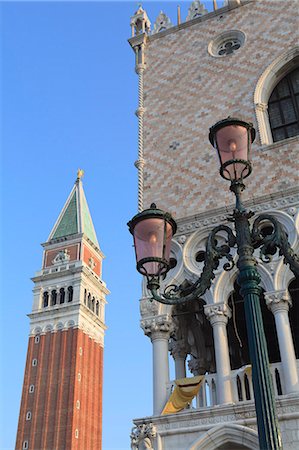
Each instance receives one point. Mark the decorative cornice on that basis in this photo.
(68, 316)
(283, 200)
(158, 327)
(136, 41)
(202, 419)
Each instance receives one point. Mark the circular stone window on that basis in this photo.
(226, 43)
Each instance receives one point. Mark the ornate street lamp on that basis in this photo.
(153, 229)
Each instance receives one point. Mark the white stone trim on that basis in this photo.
(225, 434)
(74, 316)
(266, 83)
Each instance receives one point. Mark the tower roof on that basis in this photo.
(75, 217)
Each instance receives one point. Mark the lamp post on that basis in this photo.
(153, 230)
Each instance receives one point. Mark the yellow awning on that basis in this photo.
(186, 389)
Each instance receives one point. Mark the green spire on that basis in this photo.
(75, 217)
(68, 223)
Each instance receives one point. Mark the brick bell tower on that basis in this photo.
(61, 406)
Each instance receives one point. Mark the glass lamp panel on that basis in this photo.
(149, 243)
(232, 143)
(167, 241)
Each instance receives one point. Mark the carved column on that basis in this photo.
(159, 329)
(218, 315)
(179, 354)
(279, 302)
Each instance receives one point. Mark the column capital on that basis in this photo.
(217, 313)
(278, 300)
(143, 433)
(158, 327)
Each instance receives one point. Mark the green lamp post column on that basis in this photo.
(249, 282)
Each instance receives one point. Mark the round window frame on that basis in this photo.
(222, 39)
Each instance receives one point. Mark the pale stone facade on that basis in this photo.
(185, 86)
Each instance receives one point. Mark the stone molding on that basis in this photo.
(149, 308)
(74, 316)
(143, 434)
(283, 201)
(202, 419)
(217, 313)
(158, 327)
(278, 300)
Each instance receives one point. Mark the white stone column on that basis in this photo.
(218, 315)
(279, 302)
(159, 329)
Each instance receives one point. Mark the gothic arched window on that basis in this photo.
(97, 308)
(61, 295)
(92, 304)
(85, 295)
(89, 301)
(283, 107)
(46, 299)
(70, 294)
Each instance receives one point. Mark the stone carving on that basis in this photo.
(160, 324)
(149, 308)
(196, 10)
(140, 22)
(142, 436)
(182, 239)
(178, 348)
(292, 210)
(91, 263)
(162, 23)
(278, 300)
(217, 312)
(61, 257)
(193, 335)
(188, 226)
(262, 106)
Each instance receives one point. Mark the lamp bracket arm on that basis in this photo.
(277, 239)
(174, 295)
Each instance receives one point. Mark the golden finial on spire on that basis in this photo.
(80, 174)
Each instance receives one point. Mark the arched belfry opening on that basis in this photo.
(237, 332)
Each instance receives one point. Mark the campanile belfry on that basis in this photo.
(61, 405)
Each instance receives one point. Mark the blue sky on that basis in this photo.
(68, 98)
